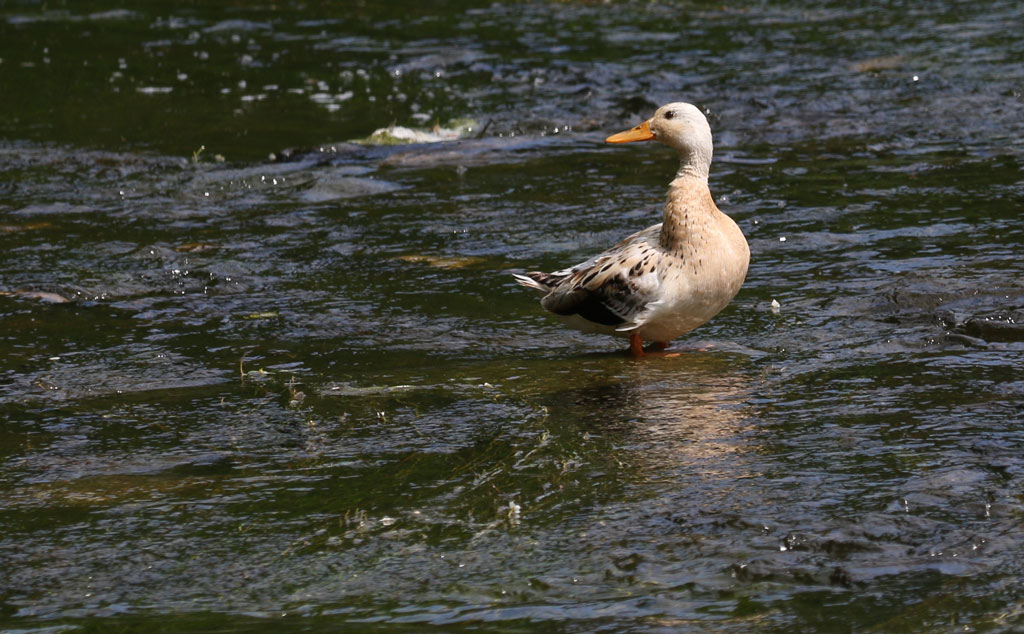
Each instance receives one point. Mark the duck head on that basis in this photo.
(681, 126)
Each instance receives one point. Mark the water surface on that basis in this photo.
(255, 376)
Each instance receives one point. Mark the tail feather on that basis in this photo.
(537, 280)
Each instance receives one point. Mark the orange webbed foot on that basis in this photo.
(636, 348)
(662, 346)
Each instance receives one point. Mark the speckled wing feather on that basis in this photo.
(616, 288)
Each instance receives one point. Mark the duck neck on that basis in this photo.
(694, 163)
(686, 210)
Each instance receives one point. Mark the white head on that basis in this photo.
(681, 126)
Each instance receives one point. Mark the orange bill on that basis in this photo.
(640, 133)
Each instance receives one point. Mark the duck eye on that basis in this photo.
(670, 114)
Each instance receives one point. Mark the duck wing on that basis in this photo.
(617, 288)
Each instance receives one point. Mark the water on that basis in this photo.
(257, 377)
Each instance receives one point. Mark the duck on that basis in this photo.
(668, 279)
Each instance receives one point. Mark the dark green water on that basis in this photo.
(285, 383)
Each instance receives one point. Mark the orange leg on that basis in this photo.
(636, 346)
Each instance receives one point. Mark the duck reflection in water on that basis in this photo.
(661, 420)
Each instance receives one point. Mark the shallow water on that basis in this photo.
(257, 377)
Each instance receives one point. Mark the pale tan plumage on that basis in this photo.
(668, 279)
